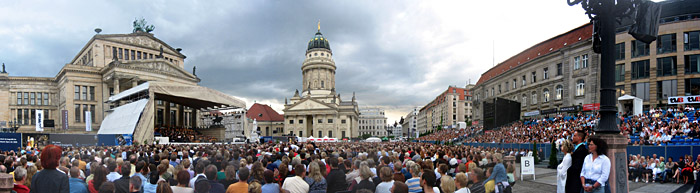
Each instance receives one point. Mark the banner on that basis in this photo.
(532, 113)
(570, 109)
(684, 99)
(39, 120)
(549, 111)
(73, 140)
(64, 119)
(591, 107)
(10, 141)
(88, 121)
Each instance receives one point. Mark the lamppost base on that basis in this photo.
(617, 153)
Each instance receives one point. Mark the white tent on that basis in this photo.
(123, 119)
(373, 139)
(636, 104)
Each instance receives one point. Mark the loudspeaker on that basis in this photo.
(646, 22)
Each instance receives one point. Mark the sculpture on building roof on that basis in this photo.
(3, 68)
(141, 26)
(194, 70)
(160, 54)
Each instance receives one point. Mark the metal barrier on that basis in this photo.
(645, 150)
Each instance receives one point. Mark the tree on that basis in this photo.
(553, 162)
(365, 136)
(440, 126)
(535, 152)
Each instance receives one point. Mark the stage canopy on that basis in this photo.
(194, 96)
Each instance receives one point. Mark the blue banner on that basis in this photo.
(10, 141)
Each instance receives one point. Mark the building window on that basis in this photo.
(691, 40)
(320, 120)
(320, 133)
(641, 90)
(639, 48)
(343, 134)
(524, 100)
(301, 133)
(577, 62)
(126, 54)
(26, 98)
(85, 91)
(620, 90)
(32, 97)
(173, 118)
(291, 121)
(545, 73)
(620, 73)
(92, 93)
(77, 93)
(46, 98)
(580, 88)
(301, 121)
(666, 44)
(330, 134)
(133, 54)
(640, 69)
(559, 70)
(120, 54)
(19, 116)
(692, 64)
(666, 66)
(515, 84)
(26, 117)
(492, 92)
(620, 51)
(138, 55)
(19, 98)
(545, 95)
(342, 121)
(534, 77)
(38, 99)
(534, 97)
(499, 89)
(330, 120)
(92, 114)
(322, 85)
(559, 92)
(77, 113)
(584, 61)
(666, 88)
(692, 86)
(524, 81)
(32, 117)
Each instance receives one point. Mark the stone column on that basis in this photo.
(617, 153)
(134, 83)
(116, 85)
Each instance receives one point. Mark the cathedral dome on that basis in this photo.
(318, 41)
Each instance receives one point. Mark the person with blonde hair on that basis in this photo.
(447, 184)
(499, 174)
(254, 187)
(316, 181)
(461, 182)
(566, 148)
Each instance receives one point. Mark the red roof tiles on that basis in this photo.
(553, 44)
(262, 112)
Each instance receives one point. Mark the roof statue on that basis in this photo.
(285, 100)
(3, 68)
(353, 96)
(194, 70)
(114, 55)
(141, 26)
(319, 25)
(160, 55)
(296, 93)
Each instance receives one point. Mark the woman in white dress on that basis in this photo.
(566, 148)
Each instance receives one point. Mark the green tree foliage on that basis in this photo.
(553, 162)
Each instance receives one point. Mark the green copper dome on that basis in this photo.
(318, 41)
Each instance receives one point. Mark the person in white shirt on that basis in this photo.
(296, 184)
(566, 148)
(596, 167)
(387, 180)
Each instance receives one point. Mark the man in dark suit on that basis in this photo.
(573, 175)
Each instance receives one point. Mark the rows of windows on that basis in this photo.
(301, 121)
(32, 98)
(665, 43)
(127, 54)
(28, 116)
(80, 115)
(86, 60)
(84, 93)
(581, 62)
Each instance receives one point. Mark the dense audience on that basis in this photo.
(183, 135)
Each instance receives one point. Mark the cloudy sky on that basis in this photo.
(393, 54)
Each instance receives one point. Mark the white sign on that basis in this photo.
(527, 166)
(39, 120)
(684, 99)
(88, 121)
(532, 113)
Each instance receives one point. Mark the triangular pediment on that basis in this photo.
(309, 104)
(156, 66)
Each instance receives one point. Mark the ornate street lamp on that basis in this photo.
(605, 14)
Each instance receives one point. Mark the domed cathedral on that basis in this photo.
(318, 110)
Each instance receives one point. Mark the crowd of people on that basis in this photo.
(183, 135)
(449, 135)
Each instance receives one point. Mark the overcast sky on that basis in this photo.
(393, 54)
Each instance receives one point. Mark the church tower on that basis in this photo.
(318, 68)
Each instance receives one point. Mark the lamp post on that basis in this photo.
(604, 14)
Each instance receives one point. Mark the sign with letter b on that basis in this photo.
(527, 166)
